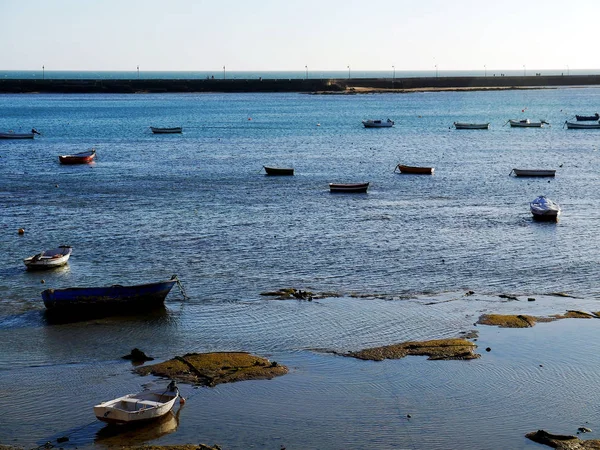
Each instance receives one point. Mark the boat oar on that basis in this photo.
(396, 168)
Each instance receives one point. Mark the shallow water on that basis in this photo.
(198, 205)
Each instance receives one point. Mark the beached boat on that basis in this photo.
(584, 118)
(173, 130)
(279, 170)
(49, 259)
(137, 297)
(348, 187)
(543, 208)
(582, 126)
(526, 123)
(137, 408)
(378, 123)
(471, 126)
(11, 135)
(78, 158)
(533, 172)
(414, 169)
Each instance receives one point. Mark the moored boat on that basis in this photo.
(471, 126)
(172, 130)
(415, 169)
(370, 123)
(49, 259)
(78, 158)
(349, 187)
(279, 170)
(137, 297)
(543, 208)
(584, 118)
(582, 126)
(11, 135)
(534, 172)
(137, 408)
(526, 123)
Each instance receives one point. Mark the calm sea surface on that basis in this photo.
(402, 256)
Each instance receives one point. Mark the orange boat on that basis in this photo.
(78, 158)
(416, 170)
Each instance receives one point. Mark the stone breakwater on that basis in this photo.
(291, 85)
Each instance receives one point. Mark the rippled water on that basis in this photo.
(199, 205)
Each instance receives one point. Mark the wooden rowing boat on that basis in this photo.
(415, 170)
(78, 158)
(115, 297)
(49, 259)
(582, 126)
(11, 135)
(584, 118)
(173, 130)
(526, 123)
(279, 170)
(534, 172)
(370, 123)
(348, 187)
(471, 126)
(138, 408)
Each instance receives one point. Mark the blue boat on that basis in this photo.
(138, 297)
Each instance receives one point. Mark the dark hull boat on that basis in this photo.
(584, 118)
(174, 130)
(78, 158)
(116, 297)
(415, 170)
(279, 171)
(349, 187)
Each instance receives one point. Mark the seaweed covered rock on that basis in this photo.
(210, 369)
(436, 349)
(508, 320)
(562, 442)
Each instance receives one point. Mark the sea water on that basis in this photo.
(400, 257)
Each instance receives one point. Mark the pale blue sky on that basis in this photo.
(255, 35)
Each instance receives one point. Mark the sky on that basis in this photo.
(290, 35)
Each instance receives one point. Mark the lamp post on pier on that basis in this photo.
(306, 67)
(223, 72)
(43, 74)
(436, 71)
(524, 70)
(394, 73)
(348, 72)
(485, 70)
(138, 70)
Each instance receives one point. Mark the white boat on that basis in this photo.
(534, 172)
(526, 123)
(471, 126)
(49, 259)
(378, 123)
(137, 408)
(543, 208)
(582, 126)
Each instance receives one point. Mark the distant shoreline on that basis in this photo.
(324, 85)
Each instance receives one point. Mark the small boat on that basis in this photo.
(543, 208)
(138, 408)
(526, 123)
(49, 259)
(582, 126)
(11, 135)
(279, 170)
(173, 130)
(533, 172)
(471, 126)
(378, 123)
(137, 297)
(415, 170)
(78, 158)
(584, 118)
(348, 187)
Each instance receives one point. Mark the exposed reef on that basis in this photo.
(437, 349)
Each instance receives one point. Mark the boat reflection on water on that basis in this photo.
(156, 313)
(137, 434)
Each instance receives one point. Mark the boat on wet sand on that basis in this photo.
(543, 208)
(116, 297)
(370, 123)
(471, 126)
(49, 259)
(414, 170)
(279, 170)
(172, 130)
(534, 172)
(138, 408)
(78, 158)
(348, 187)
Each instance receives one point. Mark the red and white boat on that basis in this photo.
(78, 158)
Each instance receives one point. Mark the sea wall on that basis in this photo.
(288, 85)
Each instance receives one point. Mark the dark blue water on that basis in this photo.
(401, 256)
